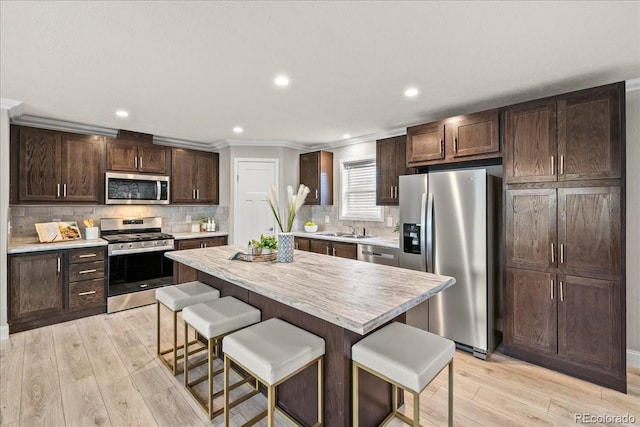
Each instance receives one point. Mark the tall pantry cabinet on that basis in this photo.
(564, 200)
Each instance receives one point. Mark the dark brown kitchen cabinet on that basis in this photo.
(456, 139)
(133, 156)
(328, 247)
(194, 176)
(320, 246)
(302, 244)
(316, 172)
(52, 166)
(577, 136)
(55, 286)
(390, 164)
(183, 273)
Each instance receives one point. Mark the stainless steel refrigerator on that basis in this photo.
(449, 225)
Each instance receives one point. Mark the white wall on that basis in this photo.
(633, 227)
(4, 218)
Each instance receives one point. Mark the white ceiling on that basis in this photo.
(194, 70)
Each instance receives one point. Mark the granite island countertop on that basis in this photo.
(352, 294)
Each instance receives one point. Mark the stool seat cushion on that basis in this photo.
(407, 355)
(220, 316)
(273, 349)
(177, 297)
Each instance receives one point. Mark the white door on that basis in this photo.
(253, 216)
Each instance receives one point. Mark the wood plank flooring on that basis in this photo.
(103, 371)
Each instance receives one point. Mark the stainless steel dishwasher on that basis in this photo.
(379, 255)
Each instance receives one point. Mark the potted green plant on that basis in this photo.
(254, 248)
(268, 244)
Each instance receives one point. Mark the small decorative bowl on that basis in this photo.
(311, 228)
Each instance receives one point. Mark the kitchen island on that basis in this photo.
(339, 299)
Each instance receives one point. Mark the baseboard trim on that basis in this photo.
(4, 332)
(633, 358)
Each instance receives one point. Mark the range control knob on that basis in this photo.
(120, 246)
(165, 243)
(142, 244)
(130, 245)
(155, 243)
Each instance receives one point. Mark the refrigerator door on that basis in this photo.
(460, 250)
(413, 191)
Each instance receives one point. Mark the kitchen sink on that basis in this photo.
(347, 235)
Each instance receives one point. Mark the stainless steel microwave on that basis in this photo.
(136, 189)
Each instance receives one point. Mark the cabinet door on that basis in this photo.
(152, 159)
(40, 165)
(320, 246)
(189, 244)
(476, 134)
(589, 134)
(214, 241)
(345, 250)
(531, 228)
(531, 311)
(36, 285)
(182, 176)
(386, 171)
(310, 176)
(530, 143)
(589, 230)
(206, 179)
(181, 272)
(302, 244)
(590, 322)
(122, 156)
(82, 168)
(425, 143)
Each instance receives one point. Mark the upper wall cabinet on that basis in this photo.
(573, 137)
(316, 172)
(390, 164)
(469, 137)
(194, 176)
(133, 156)
(51, 166)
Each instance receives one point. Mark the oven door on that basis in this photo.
(138, 272)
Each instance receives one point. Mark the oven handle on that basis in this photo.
(115, 252)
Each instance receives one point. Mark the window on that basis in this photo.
(359, 191)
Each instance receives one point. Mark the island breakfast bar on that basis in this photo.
(338, 299)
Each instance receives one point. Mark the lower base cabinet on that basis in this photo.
(55, 286)
(182, 273)
(567, 323)
(327, 247)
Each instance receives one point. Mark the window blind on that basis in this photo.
(359, 191)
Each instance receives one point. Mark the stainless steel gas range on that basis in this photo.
(136, 264)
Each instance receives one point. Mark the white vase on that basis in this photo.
(285, 247)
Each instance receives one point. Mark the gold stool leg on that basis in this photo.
(158, 328)
(175, 343)
(354, 386)
(186, 355)
(320, 386)
(271, 405)
(227, 367)
(416, 409)
(210, 375)
(451, 393)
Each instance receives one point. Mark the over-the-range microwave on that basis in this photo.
(136, 189)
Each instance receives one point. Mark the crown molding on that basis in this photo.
(632, 84)
(13, 106)
(360, 139)
(62, 125)
(260, 143)
(183, 143)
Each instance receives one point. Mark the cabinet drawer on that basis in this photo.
(86, 271)
(86, 255)
(85, 294)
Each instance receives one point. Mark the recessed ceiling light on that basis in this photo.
(122, 113)
(411, 92)
(346, 136)
(238, 129)
(282, 81)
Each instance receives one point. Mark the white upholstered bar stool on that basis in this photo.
(215, 319)
(273, 351)
(175, 298)
(405, 357)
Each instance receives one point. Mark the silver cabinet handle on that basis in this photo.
(205, 245)
(391, 192)
(64, 190)
(297, 245)
(455, 144)
(441, 148)
(93, 270)
(553, 254)
(334, 251)
(553, 165)
(316, 193)
(553, 285)
(57, 190)
(59, 264)
(81, 294)
(88, 256)
(327, 249)
(197, 194)
(140, 162)
(193, 194)
(144, 285)
(561, 290)
(562, 164)
(135, 162)
(396, 191)
(561, 253)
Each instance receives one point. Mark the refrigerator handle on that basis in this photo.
(426, 233)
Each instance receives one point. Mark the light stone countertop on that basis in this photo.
(387, 242)
(19, 248)
(355, 295)
(198, 235)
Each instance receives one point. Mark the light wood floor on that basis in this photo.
(102, 370)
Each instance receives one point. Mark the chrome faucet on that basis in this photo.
(352, 230)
